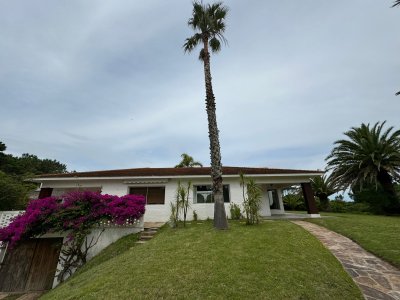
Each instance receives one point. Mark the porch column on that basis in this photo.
(45, 192)
(309, 198)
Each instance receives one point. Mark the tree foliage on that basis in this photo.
(188, 162)
(13, 193)
(323, 188)
(29, 164)
(369, 157)
(14, 170)
(209, 22)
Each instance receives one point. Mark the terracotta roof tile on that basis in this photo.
(165, 172)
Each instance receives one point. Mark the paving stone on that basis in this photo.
(365, 281)
(395, 294)
(381, 280)
(375, 294)
(30, 296)
(376, 278)
(352, 272)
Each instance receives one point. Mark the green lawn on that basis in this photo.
(275, 260)
(378, 234)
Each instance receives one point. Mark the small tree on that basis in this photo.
(181, 204)
(185, 192)
(251, 199)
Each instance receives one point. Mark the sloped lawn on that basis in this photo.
(377, 234)
(275, 260)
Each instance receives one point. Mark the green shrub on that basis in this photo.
(359, 207)
(379, 201)
(338, 206)
(292, 201)
(235, 211)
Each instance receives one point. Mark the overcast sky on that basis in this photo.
(106, 85)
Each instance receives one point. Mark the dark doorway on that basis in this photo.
(30, 266)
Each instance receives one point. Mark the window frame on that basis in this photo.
(210, 185)
(147, 187)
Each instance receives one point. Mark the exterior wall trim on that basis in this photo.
(144, 178)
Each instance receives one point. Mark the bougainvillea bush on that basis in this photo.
(76, 213)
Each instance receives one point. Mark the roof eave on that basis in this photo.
(41, 179)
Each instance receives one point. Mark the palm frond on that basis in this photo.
(188, 162)
(365, 156)
(209, 23)
(192, 42)
(215, 44)
(397, 2)
(202, 54)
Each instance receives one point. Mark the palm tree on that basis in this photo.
(323, 188)
(371, 156)
(188, 162)
(208, 23)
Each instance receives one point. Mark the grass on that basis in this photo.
(275, 260)
(376, 234)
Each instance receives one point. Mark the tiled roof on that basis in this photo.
(165, 172)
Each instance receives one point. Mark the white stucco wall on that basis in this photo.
(161, 212)
(106, 236)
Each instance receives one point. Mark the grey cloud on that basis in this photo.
(105, 84)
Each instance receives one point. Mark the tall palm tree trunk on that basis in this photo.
(220, 221)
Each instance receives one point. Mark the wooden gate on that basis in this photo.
(30, 266)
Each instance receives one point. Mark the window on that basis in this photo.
(153, 195)
(203, 194)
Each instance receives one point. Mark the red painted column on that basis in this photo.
(45, 192)
(309, 198)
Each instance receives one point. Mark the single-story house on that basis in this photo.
(159, 186)
(34, 263)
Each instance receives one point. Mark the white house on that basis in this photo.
(33, 264)
(159, 186)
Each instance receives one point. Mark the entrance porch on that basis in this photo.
(272, 201)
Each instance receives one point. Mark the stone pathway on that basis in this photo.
(376, 278)
(21, 296)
